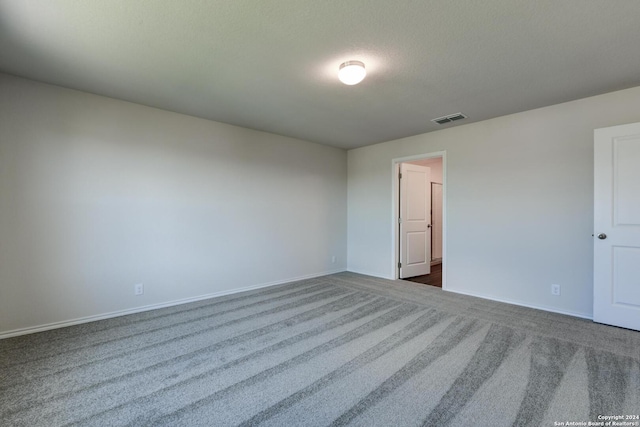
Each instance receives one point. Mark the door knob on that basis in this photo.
(602, 236)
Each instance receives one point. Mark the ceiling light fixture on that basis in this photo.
(352, 72)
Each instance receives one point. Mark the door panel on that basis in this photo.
(626, 271)
(626, 181)
(616, 266)
(416, 250)
(415, 215)
(416, 200)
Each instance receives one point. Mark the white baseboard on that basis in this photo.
(368, 273)
(87, 319)
(507, 301)
(522, 304)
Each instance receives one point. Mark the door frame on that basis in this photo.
(395, 210)
(432, 228)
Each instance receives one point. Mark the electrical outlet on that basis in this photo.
(555, 289)
(333, 259)
(138, 289)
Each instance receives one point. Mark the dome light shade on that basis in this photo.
(352, 72)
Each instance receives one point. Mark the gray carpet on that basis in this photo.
(336, 350)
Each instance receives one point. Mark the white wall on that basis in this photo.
(520, 202)
(98, 194)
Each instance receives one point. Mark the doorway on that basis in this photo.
(412, 252)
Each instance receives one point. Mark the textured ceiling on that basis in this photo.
(272, 65)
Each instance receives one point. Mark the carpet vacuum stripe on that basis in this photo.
(370, 327)
(411, 331)
(131, 370)
(374, 308)
(157, 338)
(23, 359)
(70, 333)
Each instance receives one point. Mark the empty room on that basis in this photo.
(319, 213)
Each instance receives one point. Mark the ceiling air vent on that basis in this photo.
(450, 118)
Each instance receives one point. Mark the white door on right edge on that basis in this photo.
(616, 263)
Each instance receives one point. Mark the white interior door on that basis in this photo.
(616, 264)
(415, 220)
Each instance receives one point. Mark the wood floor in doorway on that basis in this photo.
(433, 279)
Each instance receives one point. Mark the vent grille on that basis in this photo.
(450, 118)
